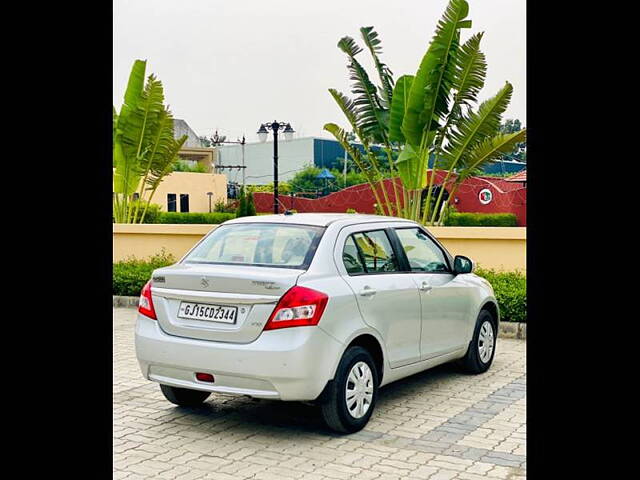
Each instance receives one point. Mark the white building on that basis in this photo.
(293, 155)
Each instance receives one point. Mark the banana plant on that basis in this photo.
(144, 147)
(429, 115)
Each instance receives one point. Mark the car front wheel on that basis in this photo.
(184, 397)
(483, 344)
(352, 395)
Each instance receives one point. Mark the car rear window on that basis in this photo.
(259, 244)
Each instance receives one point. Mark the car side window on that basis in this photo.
(351, 257)
(375, 250)
(423, 254)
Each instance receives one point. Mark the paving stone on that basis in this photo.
(438, 424)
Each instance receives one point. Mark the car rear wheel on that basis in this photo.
(352, 395)
(184, 397)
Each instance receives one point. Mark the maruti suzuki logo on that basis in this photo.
(204, 282)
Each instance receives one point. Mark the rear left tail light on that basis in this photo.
(145, 305)
(298, 307)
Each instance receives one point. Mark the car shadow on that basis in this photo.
(284, 418)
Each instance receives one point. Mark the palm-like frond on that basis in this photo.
(489, 150)
(363, 163)
(476, 127)
(348, 107)
(349, 46)
(399, 107)
(165, 166)
(470, 73)
(371, 115)
(373, 43)
(162, 148)
(430, 90)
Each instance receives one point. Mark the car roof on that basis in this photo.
(318, 219)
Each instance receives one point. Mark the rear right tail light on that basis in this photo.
(298, 307)
(145, 305)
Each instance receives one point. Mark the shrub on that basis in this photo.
(246, 205)
(511, 292)
(465, 219)
(182, 166)
(194, 217)
(241, 210)
(251, 206)
(129, 276)
(351, 210)
(153, 212)
(221, 207)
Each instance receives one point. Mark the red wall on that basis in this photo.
(508, 197)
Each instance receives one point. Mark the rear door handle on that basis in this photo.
(425, 287)
(367, 291)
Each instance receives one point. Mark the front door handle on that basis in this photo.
(425, 287)
(367, 291)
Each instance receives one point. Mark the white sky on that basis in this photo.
(232, 65)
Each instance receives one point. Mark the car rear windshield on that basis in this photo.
(259, 244)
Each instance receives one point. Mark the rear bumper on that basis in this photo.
(288, 364)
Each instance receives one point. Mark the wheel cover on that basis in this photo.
(486, 341)
(359, 390)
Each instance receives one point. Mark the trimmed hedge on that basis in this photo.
(130, 275)
(202, 218)
(511, 292)
(465, 219)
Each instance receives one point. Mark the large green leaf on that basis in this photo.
(142, 121)
(406, 166)
(371, 40)
(133, 92)
(126, 176)
(476, 127)
(399, 107)
(430, 90)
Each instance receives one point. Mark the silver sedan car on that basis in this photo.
(312, 307)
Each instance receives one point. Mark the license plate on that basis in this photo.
(208, 312)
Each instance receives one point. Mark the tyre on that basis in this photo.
(482, 348)
(183, 396)
(352, 395)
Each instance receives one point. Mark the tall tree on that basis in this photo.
(426, 115)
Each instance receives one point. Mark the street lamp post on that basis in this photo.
(209, 194)
(263, 131)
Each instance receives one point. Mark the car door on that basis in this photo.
(388, 298)
(444, 300)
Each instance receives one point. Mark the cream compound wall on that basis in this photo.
(500, 248)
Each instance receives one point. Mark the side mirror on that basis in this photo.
(462, 264)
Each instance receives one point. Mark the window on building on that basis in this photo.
(184, 202)
(171, 202)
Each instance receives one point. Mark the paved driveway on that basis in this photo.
(439, 424)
